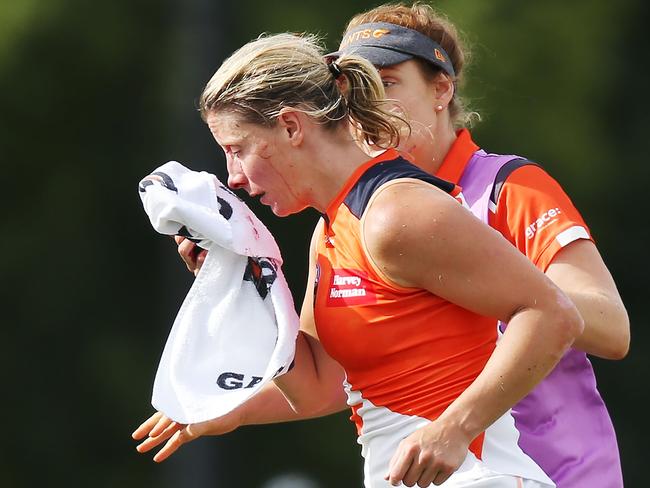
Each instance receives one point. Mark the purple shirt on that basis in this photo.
(563, 423)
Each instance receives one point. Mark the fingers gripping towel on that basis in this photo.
(237, 327)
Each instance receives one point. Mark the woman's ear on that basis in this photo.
(292, 125)
(444, 89)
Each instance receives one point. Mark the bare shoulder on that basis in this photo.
(405, 220)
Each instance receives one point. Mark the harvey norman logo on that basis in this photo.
(363, 34)
(349, 288)
(547, 218)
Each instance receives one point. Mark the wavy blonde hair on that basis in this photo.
(288, 70)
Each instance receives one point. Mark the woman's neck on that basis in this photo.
(443, 141)
(331, 166)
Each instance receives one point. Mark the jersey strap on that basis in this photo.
(483, 179)
(502, 176)
(381, 173)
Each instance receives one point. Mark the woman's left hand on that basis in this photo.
(431, 454)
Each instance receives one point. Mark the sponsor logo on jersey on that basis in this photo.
(547, 218)
(350, 287)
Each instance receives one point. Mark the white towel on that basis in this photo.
(237, 327)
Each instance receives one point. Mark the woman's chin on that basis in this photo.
(281, 211)
(277, 210)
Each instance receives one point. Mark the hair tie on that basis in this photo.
(335, 69)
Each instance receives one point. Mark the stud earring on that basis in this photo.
(438, 108)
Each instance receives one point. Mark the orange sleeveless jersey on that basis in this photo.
(533, 212)
(404, 349)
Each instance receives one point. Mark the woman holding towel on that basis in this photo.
(422, 63)
(404, 308)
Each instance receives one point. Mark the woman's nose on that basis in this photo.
(236, 177)
(236, 180)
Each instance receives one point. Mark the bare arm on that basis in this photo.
(472, 266)
(313, 388)
(323, 395)
(576, 268)
(316, 388)
(581, 274)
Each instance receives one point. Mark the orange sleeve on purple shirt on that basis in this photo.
(536, 215)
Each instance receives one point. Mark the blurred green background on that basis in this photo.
(94, 95)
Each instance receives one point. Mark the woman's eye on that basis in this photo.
(387, 83)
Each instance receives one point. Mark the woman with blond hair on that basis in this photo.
(401, 308)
